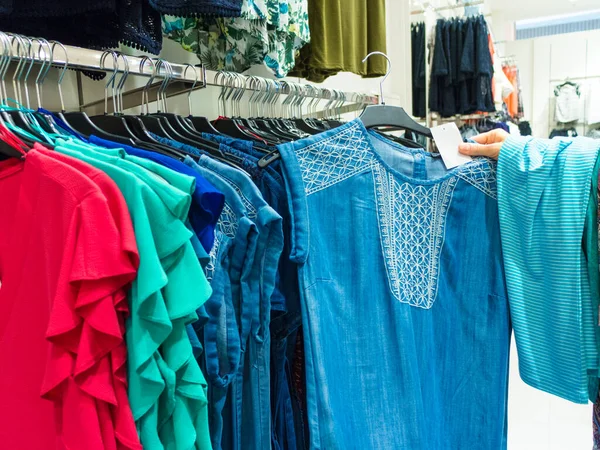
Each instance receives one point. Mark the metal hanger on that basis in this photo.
(230, 126)
(265, 125)
(20, 122)
(294, 101)
(59, 116)
(10, 145)
(40, 118)
(81, 122)
(259, 128)
(201, 124)
(116, 124)
(178, 126)
(391, 117)
(301, 123)
(171, 125)
(144, 139)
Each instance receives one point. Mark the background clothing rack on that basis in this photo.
(181, 81)
(430, 118)
(450, 7)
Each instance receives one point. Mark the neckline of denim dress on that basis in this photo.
(393, 246)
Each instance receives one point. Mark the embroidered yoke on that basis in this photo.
(406, 323)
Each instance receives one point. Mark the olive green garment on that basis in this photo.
(343, 32)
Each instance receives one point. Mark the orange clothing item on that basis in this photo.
(66, 260)
(492, 54)
(512, 101)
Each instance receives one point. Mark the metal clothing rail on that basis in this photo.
(182, 77)
(449, 7)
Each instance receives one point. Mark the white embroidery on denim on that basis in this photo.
(337, 158)
(482, 175)
(250, 208)
(213, 255)
(228, 222)
(226, 226)
(412, 220)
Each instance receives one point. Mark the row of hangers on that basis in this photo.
(267, 128)
(456, 9)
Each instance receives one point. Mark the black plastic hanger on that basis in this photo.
(108, 127)
(203, 125)
(391, 117)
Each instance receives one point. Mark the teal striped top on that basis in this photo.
(543, 192)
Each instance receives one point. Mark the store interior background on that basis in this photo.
(536, 420)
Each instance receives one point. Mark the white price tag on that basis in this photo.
(447, 139)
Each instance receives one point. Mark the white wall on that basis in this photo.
(544, 63)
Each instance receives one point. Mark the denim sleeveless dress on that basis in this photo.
(406, 321)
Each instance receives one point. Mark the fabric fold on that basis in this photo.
(543, 193)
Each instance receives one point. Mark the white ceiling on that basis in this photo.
(528, 9)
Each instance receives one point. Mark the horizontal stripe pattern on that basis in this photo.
(543, 192)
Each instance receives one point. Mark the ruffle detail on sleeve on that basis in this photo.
(147, 329)
(186, 291)
(85, 332)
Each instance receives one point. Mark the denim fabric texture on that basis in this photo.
(230, 271)
(285, 301)
(252, 386)
(404, 309)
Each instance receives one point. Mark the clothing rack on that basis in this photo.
(584, 78)
(430, 117)
(183, 77)
(449, 7)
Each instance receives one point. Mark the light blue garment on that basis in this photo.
(229, 272)
(543, 188)
(251, 390)
(405, 317)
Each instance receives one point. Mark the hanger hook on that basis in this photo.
(21, 59)
(171, 75)
(189, 97)
(241, 83)
(161, 94)
(121, 83)
(46, 61)
(387, 73)
(5, 62)
(28, 57)
(220, 100)
(31, 58)
(62, 73)
(250, 85)
(111, 80)
(145, 95)
(47, 64)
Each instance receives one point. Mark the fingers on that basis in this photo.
(487, 144)
(489, 150)
(491, 137)
(485, 138)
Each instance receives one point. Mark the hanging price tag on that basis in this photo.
(447, 139)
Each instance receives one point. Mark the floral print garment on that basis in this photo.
(268, 31)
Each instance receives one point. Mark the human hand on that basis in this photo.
(488, 144)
